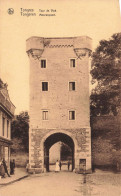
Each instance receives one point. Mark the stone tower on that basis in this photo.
(59, 99)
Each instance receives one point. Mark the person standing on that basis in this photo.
(12, 167)
(57, 167)
(27, 166)
(60, 164)
(2, 170)
(5, 167)
(68, 165)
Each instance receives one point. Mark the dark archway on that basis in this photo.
(51, 140)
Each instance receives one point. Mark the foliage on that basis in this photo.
(66, 151)
(19, 132)
(17, 145)
(106, 62)
(102, 145)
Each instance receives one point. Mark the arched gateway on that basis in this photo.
(59, 100)
(54, 137)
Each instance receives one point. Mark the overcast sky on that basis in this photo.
(98, 19)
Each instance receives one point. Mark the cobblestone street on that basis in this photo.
(66, 184)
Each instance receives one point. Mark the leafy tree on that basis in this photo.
(66, 151)
(106, 72)
(20, 131)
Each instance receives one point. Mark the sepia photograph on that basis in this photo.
(60, 98)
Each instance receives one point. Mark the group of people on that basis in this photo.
(58, 166)
(4, 169)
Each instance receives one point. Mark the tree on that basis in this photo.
(66, 151)
(106, 62)
(20, 131)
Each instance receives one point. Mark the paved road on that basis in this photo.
(65, 184)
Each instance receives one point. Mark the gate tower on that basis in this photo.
(59, 99)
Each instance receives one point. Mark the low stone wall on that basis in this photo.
(21, 158)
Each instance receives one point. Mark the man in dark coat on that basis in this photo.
(12, 167)
(5, 167)
(68, 165)
(60, 164)
(2, 171)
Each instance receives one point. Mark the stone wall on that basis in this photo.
(81, 138)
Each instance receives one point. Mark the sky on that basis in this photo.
(98, 19)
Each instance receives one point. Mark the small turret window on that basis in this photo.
(43, 63)
(72, 62)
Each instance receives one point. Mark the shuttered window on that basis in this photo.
(45, 115)
(3, 126)
(7, 128)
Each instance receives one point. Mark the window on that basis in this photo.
(43, 63)
(71, 86)
(3, 126)
(44, 86)
(71, 115)
(44, 115)
(72, 62)
(7, 128)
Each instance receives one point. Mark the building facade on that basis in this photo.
(6, 114)
(59, 99)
